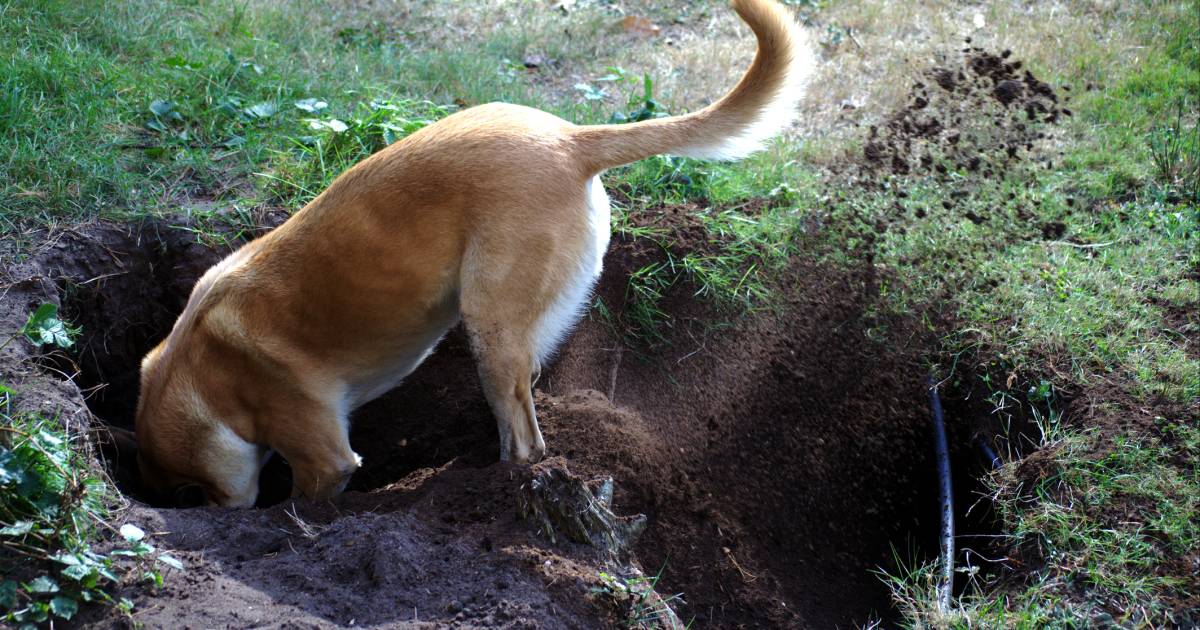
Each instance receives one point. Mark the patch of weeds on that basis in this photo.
(647, 109)
(665, 179)
(53, 507)
(644, 319)
(1175, 151)
(44, 327)
(724, 256)
(221, 229)
(1114, 526)
(634, 598)
(659, 178)
(330, 144)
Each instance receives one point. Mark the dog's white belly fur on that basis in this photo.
(366, 387)
(571, 302)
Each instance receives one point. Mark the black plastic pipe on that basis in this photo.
(946, 496)
(988, 452)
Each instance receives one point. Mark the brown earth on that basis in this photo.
(781, 456)
(778, 461)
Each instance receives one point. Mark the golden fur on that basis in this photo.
(493, 216)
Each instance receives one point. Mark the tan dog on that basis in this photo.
(494, 216)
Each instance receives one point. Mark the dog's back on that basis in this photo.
(494, 215)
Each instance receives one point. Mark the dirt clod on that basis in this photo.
(560, 502)
(973, 116)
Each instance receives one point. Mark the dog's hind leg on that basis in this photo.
(519, 298)
(506, 369)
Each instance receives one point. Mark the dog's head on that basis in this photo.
(187, 454)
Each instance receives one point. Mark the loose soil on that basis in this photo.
(781, 457)
(980, 112)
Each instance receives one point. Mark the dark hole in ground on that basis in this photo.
(126, 286)
(776, 474)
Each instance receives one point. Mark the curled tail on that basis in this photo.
(761, 105)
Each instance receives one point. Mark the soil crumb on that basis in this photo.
(980, 113)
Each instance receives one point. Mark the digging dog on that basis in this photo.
(494, 217)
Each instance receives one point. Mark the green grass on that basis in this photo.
(82, 82)
(1105, 535)
(1096, 309)
(634, 598)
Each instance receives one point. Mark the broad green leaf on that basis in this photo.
(8, 595)
(49, 439)
(311, 105)
(161, 108)
(42, 584)
(77, 572)
(332, 124)
(37, 611)
(68, 559)
(64, 607)
(171, 561)
(261, 110)
(45, 328)
(132, 532)
(178, 61)
(153, 577)
(590, 93)
(20, 528)
(12, 471)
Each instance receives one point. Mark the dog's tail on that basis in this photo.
(762, 104)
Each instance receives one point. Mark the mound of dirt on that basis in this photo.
(440, 548)
(776, 460)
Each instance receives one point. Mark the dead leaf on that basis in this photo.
(640, 26)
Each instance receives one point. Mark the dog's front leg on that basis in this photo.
(317, 447)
